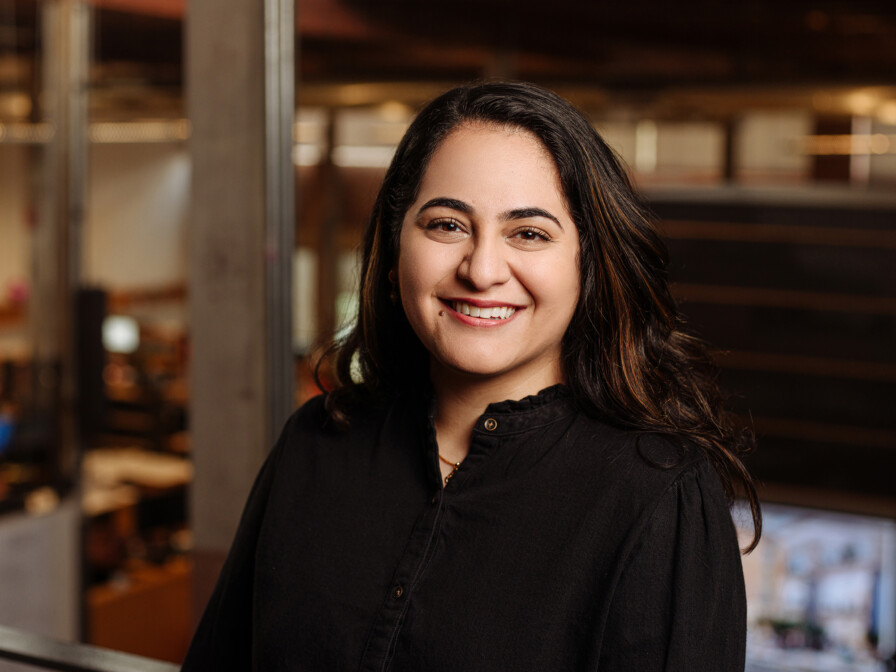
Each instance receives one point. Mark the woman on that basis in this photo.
(524, 464)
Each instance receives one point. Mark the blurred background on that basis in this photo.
(182, 190)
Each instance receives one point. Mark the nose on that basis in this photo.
(484, 264)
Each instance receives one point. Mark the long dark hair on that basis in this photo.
(625, 353)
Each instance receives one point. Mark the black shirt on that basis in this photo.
(561, 543)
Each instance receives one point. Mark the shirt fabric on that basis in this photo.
(561, 543)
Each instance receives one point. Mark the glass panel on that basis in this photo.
(43, 50)
(136, 467)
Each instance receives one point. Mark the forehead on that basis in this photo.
(492, 160)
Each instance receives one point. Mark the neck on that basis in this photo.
(461, 399)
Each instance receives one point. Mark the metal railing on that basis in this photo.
(51, 654)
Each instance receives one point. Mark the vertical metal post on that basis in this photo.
(327, 229)
(240, 92)
(280, 203)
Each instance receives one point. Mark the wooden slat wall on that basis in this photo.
(800, 301)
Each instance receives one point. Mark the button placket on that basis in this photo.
(399, 594)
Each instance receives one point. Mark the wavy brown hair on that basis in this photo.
(625, 353)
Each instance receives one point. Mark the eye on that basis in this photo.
(446, 225)
(532, 235)
(445, 229)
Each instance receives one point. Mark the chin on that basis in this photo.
(475, 367)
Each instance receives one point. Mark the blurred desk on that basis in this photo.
(107, 470)
(134, 507)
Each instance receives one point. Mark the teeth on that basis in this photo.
(496, 313)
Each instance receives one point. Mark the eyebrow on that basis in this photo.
(466, 208)
(528, 213)
(443, 202)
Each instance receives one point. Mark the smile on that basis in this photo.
(490, 313)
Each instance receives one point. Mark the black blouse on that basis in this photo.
(561, 543)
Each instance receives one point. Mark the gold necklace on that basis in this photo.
(456, 466)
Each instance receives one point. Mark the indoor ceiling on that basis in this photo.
(632, 47)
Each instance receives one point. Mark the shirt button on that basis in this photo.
(490, 424)
(435, 498)
(397, 592)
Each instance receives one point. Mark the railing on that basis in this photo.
(50, 654)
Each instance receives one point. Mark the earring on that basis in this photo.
(393, 278)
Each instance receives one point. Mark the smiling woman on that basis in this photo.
(487, 271)
(526, 464)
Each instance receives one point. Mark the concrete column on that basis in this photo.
(56, 241)
(240, 74)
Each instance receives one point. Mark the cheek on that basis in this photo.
(415, 286)
(555, 286)
(413, 278)
(422, 266)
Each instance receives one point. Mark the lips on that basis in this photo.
(486, 313)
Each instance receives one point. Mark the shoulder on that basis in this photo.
(674, 499)
(645, 463)
(684, 511)
(312, 417)
(678, 586)
(644, 477)
(313, 413)
(311, 433)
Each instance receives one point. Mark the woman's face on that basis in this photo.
(488, 268)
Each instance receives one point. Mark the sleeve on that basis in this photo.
(680, 604)
(223, 639)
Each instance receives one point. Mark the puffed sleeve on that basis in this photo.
(223, 640)
(680, 603)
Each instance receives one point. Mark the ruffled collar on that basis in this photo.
(514, 416)
(532, 402)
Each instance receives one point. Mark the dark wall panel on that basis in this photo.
(800, 303)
